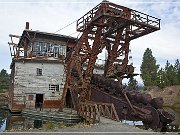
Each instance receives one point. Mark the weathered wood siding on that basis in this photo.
(26, 82)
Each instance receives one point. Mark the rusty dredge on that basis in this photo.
(111, 27)
(107, 27)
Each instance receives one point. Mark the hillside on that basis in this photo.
(171, 95)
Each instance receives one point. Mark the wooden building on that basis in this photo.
(37, 69)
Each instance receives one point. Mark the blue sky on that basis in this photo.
(51, 15)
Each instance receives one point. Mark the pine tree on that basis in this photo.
(177, 70)
(149, 69)
(4, 80)
(171, 74)
(162, 78)
(133, 84)
(167, 65)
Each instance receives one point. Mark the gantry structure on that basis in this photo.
(107, 26)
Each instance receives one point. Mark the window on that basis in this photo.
(36, 47)
(53, 87)
(39, 71)
(44, 49)
(62, 49)
(30, 97)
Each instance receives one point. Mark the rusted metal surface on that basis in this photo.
(111, 27)
(18, 107)
(51, 103)
(107, 26)
(130, 104)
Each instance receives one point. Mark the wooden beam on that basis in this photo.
(16, 36)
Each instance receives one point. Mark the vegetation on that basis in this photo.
(169, 76)
(50, 125)
(149, 68)
(4, 80)
(176, 101)
(133, 84)
(152, 75)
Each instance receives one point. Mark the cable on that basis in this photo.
(65, 26)
(78, 34)
(73, 33)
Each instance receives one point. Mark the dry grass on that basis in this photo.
(176, 104)
(171, 95)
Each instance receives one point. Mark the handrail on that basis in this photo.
(119, 12)
(92, 111)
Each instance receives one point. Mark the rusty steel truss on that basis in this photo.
(107, 27)
(112, 27)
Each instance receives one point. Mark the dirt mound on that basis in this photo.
(171, 95)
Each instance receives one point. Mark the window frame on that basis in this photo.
(54, 87)
(30, 97)
(39, 72)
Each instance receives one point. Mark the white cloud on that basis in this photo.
(52, 15)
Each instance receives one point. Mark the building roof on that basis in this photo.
(52, 36)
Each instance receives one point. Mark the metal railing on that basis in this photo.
(114, 10)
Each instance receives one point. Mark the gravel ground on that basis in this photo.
(106, 126)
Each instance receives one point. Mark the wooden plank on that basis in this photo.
(101, 110)
(107, 111)
(115, 113)
(92, 111)
(129, 103)
(112, 111)
(16, 36)
(97, 113)
(86, 111)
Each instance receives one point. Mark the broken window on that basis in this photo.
(38, 71)
(53, 87)
(44, 49)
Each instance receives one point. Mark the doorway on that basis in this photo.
(39, 101)
(69, 103)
